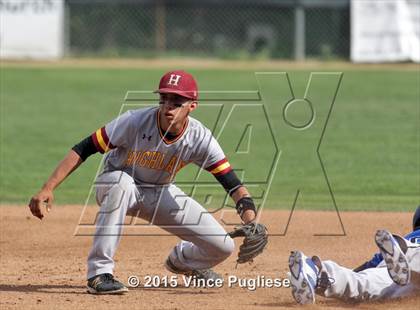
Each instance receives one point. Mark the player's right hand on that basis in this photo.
(44, 196)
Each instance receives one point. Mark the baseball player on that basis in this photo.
(145, 149)
(393, 272)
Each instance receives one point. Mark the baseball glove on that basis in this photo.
(256, 239)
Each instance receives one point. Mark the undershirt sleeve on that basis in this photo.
(229, 181)
(85, 148)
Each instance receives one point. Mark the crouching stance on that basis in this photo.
(145, 150)
(393, 272)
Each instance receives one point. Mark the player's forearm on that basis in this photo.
(64, 169)
(240, 193)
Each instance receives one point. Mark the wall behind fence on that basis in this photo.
(31, 29)
(385, 31)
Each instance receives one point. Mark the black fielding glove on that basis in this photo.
(256, 238)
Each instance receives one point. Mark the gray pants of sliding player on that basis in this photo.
(204, 241)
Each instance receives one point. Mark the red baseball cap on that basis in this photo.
(178, 82)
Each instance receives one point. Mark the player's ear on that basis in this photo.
(193, 105)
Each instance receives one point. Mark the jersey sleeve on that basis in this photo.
(212, 158)
(413, 237)
(114, 134)
(376, 259)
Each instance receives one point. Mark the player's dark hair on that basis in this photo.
(416, 219)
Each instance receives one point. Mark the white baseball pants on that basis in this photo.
(372, 283)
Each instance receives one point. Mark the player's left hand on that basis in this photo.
(256, 238)
(45, 196)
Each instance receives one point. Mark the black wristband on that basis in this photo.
(244, 204)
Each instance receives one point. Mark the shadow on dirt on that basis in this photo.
(45, 288)
(81, 289)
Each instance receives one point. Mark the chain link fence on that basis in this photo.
(210, 28)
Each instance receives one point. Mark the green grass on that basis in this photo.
(370, 149)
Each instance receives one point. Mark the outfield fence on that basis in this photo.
(288, 29)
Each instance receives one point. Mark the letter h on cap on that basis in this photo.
(174, 79)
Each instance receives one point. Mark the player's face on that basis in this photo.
(176, 108)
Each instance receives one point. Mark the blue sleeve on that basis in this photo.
(414, 236)
(376, 259)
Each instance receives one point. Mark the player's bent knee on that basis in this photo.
(115, 180)
(226, 248)
(123, 186)
(125, 182)
(117, 193)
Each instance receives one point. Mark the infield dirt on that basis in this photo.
(43, 264)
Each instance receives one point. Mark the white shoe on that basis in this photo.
(393, 253)
(303, 278)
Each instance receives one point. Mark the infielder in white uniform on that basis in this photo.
(145, 149)
(394, 272)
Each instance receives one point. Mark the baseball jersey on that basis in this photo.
(134, 143)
